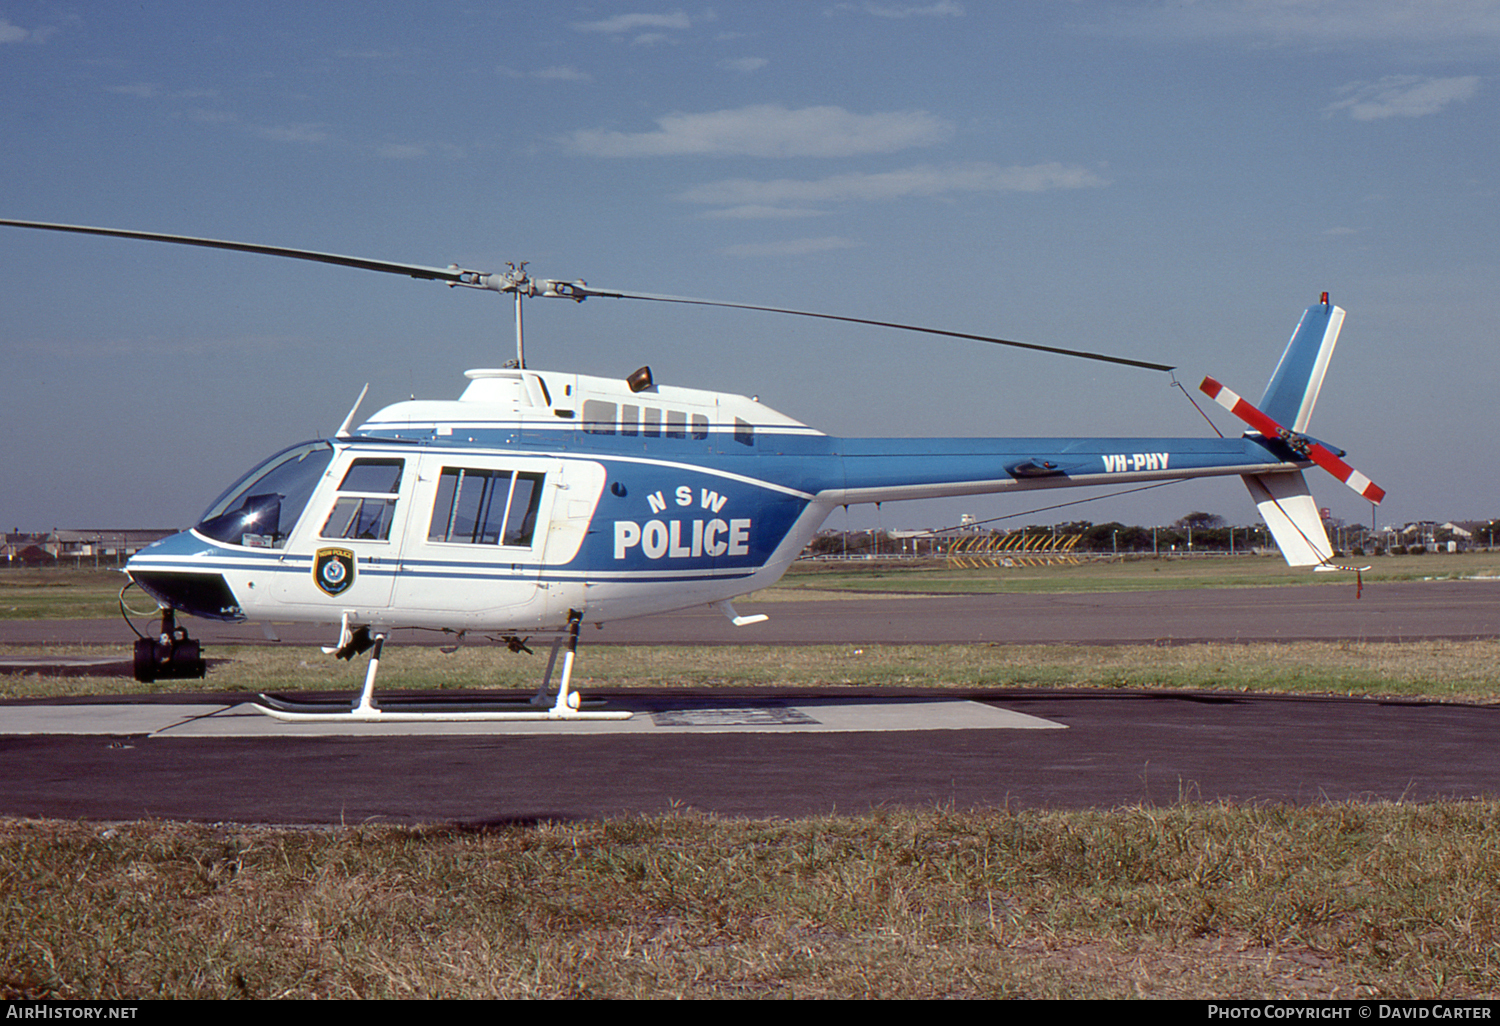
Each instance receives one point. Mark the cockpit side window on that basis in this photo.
(373, 476)
(367, 501)
(262, 507)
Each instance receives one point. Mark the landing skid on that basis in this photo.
(367, 710)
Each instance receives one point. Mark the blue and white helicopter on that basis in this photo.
(538, 501)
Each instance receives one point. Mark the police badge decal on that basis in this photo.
(333, 570)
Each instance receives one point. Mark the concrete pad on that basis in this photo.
(656, 718)
(99, 719)
(245, 721)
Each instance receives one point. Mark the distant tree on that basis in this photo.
(826, 545)
(1200, 521)
(1101, 537)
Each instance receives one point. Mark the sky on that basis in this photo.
(1172, 182)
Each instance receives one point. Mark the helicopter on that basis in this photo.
(539, 501)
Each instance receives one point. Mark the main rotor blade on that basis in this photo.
(450, 274)
(517, 281)
(1083, 354)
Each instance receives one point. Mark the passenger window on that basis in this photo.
(700, 426)
(525, 498)
(744, 432)
(630, 417)
(485, 507)
(650, 421)
(676, 424)
(598, 417)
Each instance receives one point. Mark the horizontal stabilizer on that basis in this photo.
(1289, 511)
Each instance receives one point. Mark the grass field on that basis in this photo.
(1330, 901)
(71, 594)
(1451, 671)
(1467, 671)
(1129, 574)
(1190, 901)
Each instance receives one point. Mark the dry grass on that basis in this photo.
(1259, 902)
(1134, 573)
(1191, 901)
(66, 593)
(1441, 670)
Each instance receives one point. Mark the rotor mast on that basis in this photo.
(516, 281)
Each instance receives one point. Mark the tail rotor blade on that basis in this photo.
(1300, 444)
(1338, 468)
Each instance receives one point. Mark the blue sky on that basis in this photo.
(1166, 181)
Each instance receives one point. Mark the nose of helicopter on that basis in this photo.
(165, 571)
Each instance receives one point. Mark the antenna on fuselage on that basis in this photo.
(343, 431)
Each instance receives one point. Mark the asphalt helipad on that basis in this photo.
(796, 752)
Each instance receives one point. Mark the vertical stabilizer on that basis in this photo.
(1293, 391)
(1289, 511)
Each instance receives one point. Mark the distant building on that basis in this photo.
(100, 546)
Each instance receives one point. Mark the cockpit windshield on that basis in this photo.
(261, 508)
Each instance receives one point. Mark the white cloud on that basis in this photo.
(309, 133)
(1320, 22)
(767, 130)
(212, 117)
(418, 150)
(10, 32)
(401, 151)
(1403, 96)
(755, 211)
(144, 90)
(151, 91)
(790, 247)
(306, 132)
(940, 9)
(556, 73)
(563, 73)
(788, 197)
(744, 64)
(631, 22)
